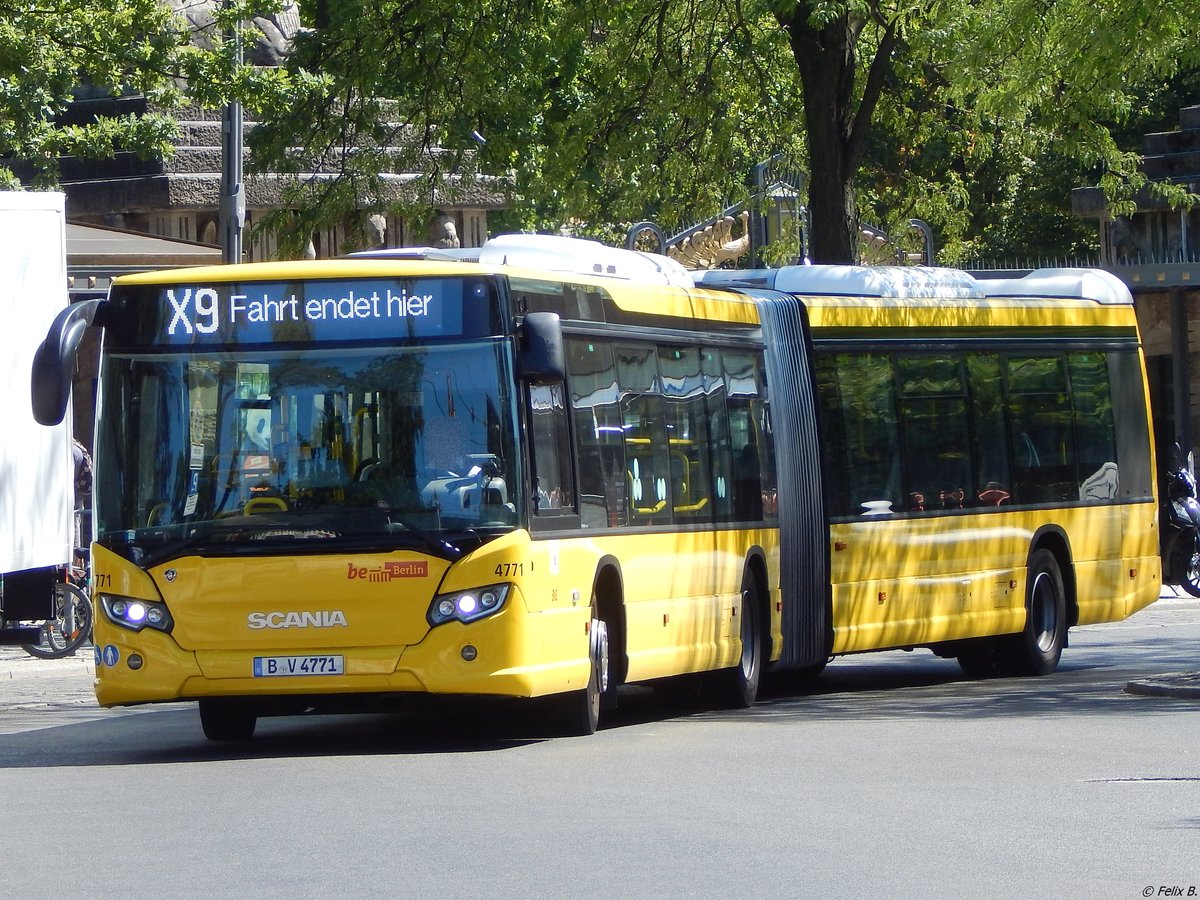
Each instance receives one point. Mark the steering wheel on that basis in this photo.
(264, 504)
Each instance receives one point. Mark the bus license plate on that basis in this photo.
(283, 666)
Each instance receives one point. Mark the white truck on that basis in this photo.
(36, 465)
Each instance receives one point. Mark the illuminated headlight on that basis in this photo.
(467, 606)
(136, 614)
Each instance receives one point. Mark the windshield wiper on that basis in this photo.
(247, 539)
(162, 554)
(429, 537)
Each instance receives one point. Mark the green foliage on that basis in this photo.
(593, 115)
(977, 118)
(1063, 79)
(993, 111)
(48, 49)
(57, 51)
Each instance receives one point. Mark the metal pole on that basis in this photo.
(232, 207)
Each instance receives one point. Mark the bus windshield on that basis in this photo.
(308, 448)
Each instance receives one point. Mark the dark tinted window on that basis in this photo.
(933, 416)
(554, 492)
(669, 434)
(599, 433)
(921, 432)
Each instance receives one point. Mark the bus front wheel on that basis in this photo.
(580, 710)
(225, 720)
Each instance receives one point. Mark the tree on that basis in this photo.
(47, 49)
(979, 90)
(593, 116)
(826, 40)
(55, 52)
(600, 115)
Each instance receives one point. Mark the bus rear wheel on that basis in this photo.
(226, 720)
(737, 687)
(1038, 648)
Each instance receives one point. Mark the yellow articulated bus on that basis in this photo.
(545, 468)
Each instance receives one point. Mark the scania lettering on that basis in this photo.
(297, 619)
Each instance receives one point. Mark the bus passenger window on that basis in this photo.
(1094, 426)
(720, 448)
(749, 438)
(1043, 449)
(551, 450)
(599, 434)
(644, 422)
(858, 396)
(937, 467)
(989, 435)
(688, 424)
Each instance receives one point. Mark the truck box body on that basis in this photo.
(36, 467)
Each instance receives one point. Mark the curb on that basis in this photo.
(1184, 686)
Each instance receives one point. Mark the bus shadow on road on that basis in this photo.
(173, 735)
(936, 688)
(876, 687)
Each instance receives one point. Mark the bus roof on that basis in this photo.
(554, 253)
(921, 282)
(560, 255)
(545, 253)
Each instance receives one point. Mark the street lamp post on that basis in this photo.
(232, 206)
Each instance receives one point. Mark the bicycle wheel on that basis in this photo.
(57, 641)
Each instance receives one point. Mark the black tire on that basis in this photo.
(579, 711)
(1038, 648)
(57, 639)
(802, 680)
(226, 720)
(1189, 570)
(979, 658)
(737, 687)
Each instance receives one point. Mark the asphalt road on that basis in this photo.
(895, 777)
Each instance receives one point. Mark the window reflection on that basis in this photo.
(324, 444)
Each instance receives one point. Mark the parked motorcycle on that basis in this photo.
(1181, 526)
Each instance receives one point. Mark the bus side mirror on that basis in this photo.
(54, 361)
(541, 358)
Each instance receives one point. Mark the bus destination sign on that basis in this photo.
(200, 309)
(302, 311)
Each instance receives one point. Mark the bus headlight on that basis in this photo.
(467, 606)
(136, 614)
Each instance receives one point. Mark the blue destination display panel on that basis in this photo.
(191, 314)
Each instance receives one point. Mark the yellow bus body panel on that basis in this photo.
(682, 598)
(916, 581)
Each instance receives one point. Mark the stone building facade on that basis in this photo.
(1156, 252)
(179, 197)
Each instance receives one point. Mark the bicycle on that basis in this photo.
(71, 626)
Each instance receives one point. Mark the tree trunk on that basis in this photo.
(826, 60)
(833, 225)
